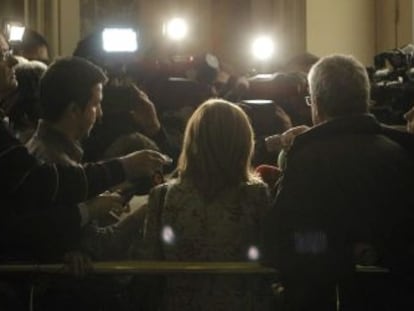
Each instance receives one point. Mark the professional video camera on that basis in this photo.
(392, 84)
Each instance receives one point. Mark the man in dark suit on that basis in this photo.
(346, 186)
(32, 194)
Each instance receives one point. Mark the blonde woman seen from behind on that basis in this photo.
(211, 212)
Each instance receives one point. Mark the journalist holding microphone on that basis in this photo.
(39, 220)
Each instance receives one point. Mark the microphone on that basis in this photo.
(284, 140)
(141, 186)
(269, 173)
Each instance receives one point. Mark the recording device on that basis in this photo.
(392, 84)
(140, 186)
(143, 185)
(287, 90)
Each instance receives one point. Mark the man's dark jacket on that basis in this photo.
(35, 225)
(346, 181)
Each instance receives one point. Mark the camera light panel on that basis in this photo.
(16, 32)
(119, 40)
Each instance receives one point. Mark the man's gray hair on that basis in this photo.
(340, 86)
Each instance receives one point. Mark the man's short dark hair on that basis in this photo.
(90, 48)
(68, 80)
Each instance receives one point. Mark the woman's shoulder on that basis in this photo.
(255, 185)
(171, 186)
(256, 193)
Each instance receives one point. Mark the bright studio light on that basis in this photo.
(176, 29)
(263, 48)
(16, 32)
(119, 40)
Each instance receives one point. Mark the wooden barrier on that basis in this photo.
(147, 267)
(163, 267)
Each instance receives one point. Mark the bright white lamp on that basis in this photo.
(263, 48)
(176, 29)
(120, 40)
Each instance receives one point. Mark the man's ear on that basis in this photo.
(134, 115)
(317, 117)
(72, 110)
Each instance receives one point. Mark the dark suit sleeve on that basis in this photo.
(22, 175)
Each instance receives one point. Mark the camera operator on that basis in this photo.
(33, 46)
(130, 119)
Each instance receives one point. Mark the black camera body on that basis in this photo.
(392, 84)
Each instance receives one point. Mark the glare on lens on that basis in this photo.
(168, 235)
(253, 253)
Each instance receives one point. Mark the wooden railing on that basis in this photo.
(148, 267)
(163, 267)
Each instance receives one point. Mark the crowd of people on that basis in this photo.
(339, 195)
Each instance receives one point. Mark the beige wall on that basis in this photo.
(341, 26)
(69, 26)
(360, 27)
(57, 20)
(394, 23)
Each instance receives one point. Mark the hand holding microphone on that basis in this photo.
(284, 140)
(143, 163)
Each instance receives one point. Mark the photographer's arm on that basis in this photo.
(151, 126)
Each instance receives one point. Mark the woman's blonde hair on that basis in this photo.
(218, 147)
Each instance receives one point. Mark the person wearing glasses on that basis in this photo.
(8, 81)
(347, 183)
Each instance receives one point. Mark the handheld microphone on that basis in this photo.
(141, 186)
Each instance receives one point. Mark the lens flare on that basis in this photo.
(168, 235)
(253, 253)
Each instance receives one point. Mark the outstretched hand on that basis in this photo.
(287, 137)
(144, 162)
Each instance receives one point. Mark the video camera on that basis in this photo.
(111, 48)
(392, 84)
